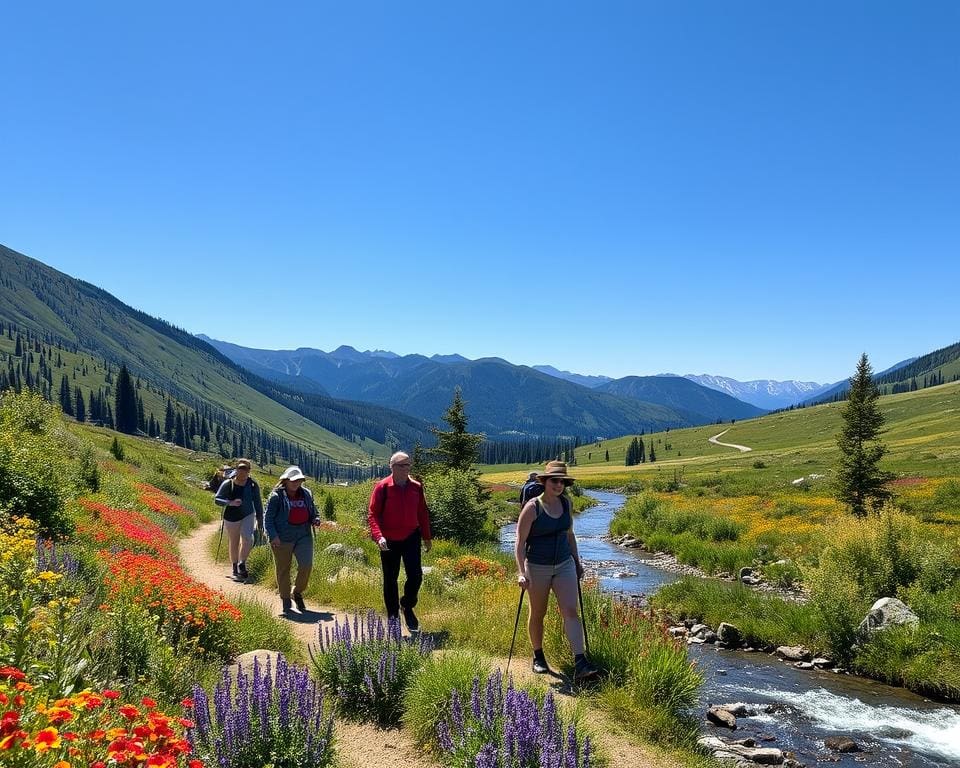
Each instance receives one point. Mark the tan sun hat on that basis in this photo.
(243, 464)
(556, 469)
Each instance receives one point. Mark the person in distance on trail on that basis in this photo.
(399, 521)
(290, 513)
(242, 504)
(547, 559)
(531, 488)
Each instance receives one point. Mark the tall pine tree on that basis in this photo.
(860, 481)
(125, 403)
(456, 449)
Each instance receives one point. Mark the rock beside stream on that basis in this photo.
(841, 744)
(723, 749)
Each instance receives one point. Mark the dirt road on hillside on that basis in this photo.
(716, 441)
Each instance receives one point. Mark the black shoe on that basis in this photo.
(584, 670)
(298, 599)
(413, 624)
(287, 604)
(540, 666)
(236, 570)
(241, 571)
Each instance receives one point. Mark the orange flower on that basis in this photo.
(48, 738)
(111, 694)
(129, 711)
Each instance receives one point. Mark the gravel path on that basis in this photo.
(359, 745)
(715, 441)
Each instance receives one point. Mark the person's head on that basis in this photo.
(555, 478)
(291, 479)
(242, 468)
(532, 476)
(400, 466)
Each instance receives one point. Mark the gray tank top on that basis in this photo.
(547, 542)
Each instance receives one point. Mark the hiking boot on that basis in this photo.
(241, 570)
(298, 599)
(236, 570)
(287, 604)
(413, 624)
(584, 670)
(540, 666)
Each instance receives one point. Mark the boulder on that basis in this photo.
(699, 630)
(803, 664)
(709, 636)
(745, 573)
(729, 634)
(721, 717)
(841, 744)
(886, 612)
(337, 550)
(822, 663)
(739, 710)
(728, 750)
(245, 661)
(794, 653)
(677, 631)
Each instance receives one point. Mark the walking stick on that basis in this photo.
(515, 625)
(220, 540)
(583, 618)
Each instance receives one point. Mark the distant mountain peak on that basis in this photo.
(577, 378)
(763, 393)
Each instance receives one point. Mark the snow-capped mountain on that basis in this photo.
(763, 393)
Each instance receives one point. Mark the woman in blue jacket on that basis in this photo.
(290, 513)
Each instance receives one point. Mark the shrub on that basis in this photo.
(427, 700)
(456, 509)
(759, 464)
(368, 668)
(116, 449)
(264, 719)
(508, 728)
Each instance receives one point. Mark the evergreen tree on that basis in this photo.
(328, 509)
(66, 401)
(169, 422)
(180, 435)
(456, 449)
(606, 455)
(860, 481)
(653, 453)
(125, 403)
(79, 409)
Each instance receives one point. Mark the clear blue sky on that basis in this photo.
(753, 189)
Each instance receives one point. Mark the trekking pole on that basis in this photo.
(220, 540)
(515, 625)
(583, 618)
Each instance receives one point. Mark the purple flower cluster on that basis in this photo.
(508, 729)
(50, 557)
(367, 666)
(270, 717)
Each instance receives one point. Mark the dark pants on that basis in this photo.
(407, 550)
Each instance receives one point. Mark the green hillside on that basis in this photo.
(94, 333)
(922, 433)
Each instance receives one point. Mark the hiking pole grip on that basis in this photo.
(516, 624)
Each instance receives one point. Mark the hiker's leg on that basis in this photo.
(282, 556)
(303, 551)
(565, 588)
(246, 537)
(233, 539)
(412, 568)
(390, 565)
(538, 588)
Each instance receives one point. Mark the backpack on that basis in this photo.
(224, 473)
(530, 489)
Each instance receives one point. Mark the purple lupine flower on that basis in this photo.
(570, 754)
(456, 714)
(486, 757)
(443, 736)
(585, 755)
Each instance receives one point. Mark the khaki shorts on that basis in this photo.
(543, 575)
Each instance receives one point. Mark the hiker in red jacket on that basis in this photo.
(399, 520)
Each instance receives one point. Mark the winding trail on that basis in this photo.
(361, 745)
(715, 441)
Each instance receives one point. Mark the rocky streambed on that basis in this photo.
(783, 711)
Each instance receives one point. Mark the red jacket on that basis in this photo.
(397, 511)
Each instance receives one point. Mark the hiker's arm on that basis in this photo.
(222, 499)
(373, 516)
(524, 522)
(258, 504)
(270, 517)
(423, 518)
(575, 552)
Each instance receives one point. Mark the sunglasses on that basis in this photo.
(556, 480)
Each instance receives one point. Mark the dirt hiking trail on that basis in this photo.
(716, 441)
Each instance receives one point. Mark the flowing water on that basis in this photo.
(892, 726)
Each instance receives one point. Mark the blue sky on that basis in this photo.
(751, 189)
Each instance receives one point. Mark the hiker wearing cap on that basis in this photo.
(399, 521)
(533, 487)
(290, 513)
(239, 495)
(547, 559)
